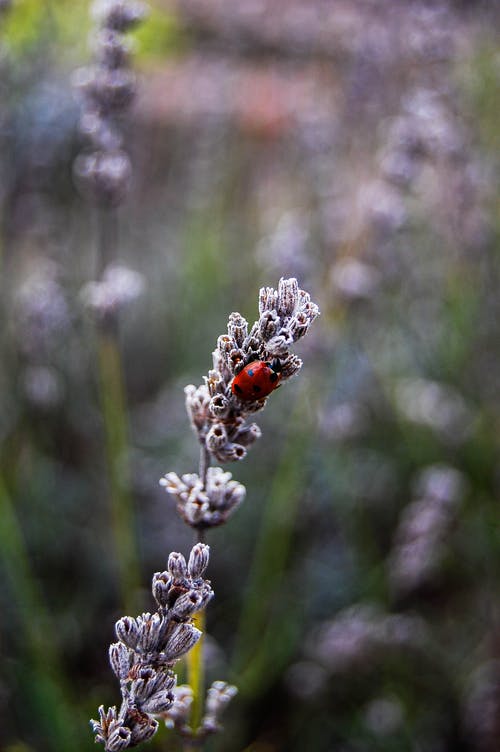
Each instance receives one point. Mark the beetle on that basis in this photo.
(257, 380)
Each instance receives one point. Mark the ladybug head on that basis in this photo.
(276, 366)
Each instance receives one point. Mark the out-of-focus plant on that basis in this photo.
(103, 173)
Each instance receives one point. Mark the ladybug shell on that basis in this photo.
(255, 381)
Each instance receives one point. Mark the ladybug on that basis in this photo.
(256, 380)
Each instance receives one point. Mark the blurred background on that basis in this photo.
(353, 145)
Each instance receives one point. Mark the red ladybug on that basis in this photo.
(257, 380)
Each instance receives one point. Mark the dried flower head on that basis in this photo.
(206, 504)
(218, 413)
(147, 648)
(420, 545)
(106, 89)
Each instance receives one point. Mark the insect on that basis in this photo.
(256, 380)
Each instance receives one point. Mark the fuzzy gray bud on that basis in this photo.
(181, 640)
(161, 586)
(142, 726)
(177, 566)
(127, 631)
(187, 605)
(118, 739)
(216, 437)
(119, 658)
(151, 631)
(198, 560)
(219, 406)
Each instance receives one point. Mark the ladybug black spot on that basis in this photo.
(257, 388)
(237, 388)
(273, 377)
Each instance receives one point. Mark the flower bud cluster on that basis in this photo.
(117, 287)
(219, 694)
(107, 89)
(420, 546)
(217, 414)
(363, 635)
(205, 505)
(147, 648)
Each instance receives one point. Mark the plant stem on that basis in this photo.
(194, 659)
(204, 462)
(196, 672)
(115, 427)
(113, 405)
(258, 650)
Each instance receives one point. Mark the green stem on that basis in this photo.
(114, 411)
(194, 659)
(196, 673)
(116, 436)
(255, 663)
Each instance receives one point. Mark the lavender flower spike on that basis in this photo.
(147, 649)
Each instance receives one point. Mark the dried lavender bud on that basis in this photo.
(198, 560)
(237, 328)
(158, 703)
(142, 726)
(110, 731)
(219, 406)
(288, 293)
(248, 434)
(177, 716)
(177, 566)
(127, 631)
(161, 586)
(290, 366)
(119, 658)
(152, 684)
(197, 400)
(151, 631)
(119, 738)
(180, 641)
(279, 345)
(185, 606)
(231, 452)
(216, 438)
(268, 324)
